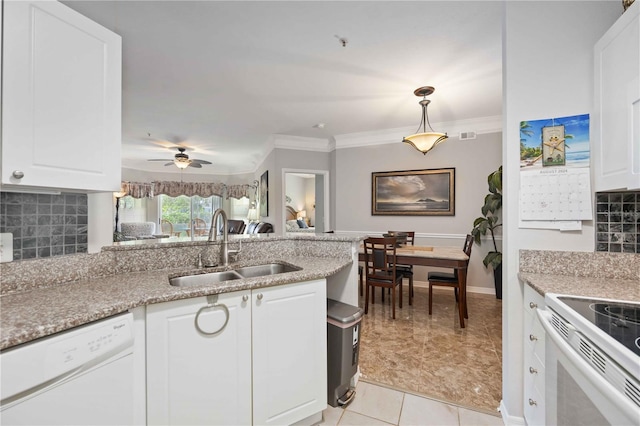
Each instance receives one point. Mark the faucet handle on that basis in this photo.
(199, 263)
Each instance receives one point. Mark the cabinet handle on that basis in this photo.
(212, 303)
(532, 402)
(259, 296)
(17, 174)
(532, 338)
(533, 370)
(245, 298)
(533, 305)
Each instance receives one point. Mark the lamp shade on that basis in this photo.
(302, 213)
(252, 214)
(425, 142)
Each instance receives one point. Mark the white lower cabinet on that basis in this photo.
(534, 335)
(267, 365)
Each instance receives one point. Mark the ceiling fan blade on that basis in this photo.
(159, 159)
(202, 161)
(196, 165)
(169, 164)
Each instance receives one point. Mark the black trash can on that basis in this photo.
(343, 344)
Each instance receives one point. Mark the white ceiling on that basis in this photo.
(223, 78)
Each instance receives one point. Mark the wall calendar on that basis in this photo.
(557, 193)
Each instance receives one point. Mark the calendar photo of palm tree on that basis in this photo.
(560, 141)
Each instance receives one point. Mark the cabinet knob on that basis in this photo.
(532, 338)
(245, 298)
(17, 174)
(533, 370)
(533, 305)
(532, 402)
(259, 296)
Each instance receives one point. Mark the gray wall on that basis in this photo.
(473, 161)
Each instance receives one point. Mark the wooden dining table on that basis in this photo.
(441, 257)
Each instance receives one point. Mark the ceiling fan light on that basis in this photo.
(181, 163)
(425, 142)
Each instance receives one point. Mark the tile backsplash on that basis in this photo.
(44, 225)
(618, 222)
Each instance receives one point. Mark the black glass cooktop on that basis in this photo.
(619, 320)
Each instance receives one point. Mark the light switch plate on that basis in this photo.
(6, 247)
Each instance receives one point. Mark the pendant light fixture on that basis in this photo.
(425, 141)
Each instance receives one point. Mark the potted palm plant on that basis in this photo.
(489, 222)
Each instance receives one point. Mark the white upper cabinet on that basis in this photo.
(616, 124)
(61, 100)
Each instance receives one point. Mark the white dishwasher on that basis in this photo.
(78, 377)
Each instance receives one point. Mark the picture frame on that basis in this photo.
(264, 194)
(429, 192)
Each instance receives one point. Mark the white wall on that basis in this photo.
(473, 161)
(547, 72)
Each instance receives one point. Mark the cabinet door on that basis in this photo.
(617, 65)
(61, 99)
(194, 378)
(289, 352)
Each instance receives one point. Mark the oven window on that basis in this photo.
(574, 406)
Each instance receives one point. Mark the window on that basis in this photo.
(186, 213)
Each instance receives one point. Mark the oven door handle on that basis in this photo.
(615, 396)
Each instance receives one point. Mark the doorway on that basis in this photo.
(305, 194)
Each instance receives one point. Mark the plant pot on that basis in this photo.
(497, 281)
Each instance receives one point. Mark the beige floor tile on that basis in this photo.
(475, 418)
(377, 402)
(354, 419)
(331, 416)
(425, 412)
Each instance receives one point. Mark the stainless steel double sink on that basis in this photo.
(235, 274)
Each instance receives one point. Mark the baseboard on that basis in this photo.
(470, 289)
(510, 420)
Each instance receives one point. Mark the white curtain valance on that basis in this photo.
(175, 189)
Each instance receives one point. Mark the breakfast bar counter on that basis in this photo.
(30, 310)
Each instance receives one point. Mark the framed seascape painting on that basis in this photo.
(428, 192)
(264, 194)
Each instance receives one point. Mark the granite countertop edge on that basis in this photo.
(30, 315)
(606, 288)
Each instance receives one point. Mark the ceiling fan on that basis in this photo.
(182, 161)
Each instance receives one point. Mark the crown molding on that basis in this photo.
(302, 143)
(480, 125)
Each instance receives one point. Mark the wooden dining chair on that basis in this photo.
(380, 270)
(406, 270)
(450, 279)
(166, 227)
(199, 227)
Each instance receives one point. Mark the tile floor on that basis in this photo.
(378, 405)
(431, 355)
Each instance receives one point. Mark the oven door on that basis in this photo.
(575, 392)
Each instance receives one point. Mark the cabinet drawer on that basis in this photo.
(533, 373)
(534, 407)
(532, 300)
(534, 336)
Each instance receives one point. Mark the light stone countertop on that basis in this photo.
(40, 312)
(607, 288)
